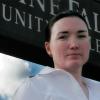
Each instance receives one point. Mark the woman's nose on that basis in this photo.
(74, 44)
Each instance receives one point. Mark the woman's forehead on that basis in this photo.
(69, 24)
(71, 19)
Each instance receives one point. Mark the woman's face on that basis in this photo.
(69, 45)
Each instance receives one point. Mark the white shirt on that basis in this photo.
(56, 84)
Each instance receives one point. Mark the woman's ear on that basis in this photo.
(48, 50)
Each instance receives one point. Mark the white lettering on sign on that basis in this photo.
(72, 3)
(39, 20)
(6, 18)
(53, 7)
(96, 22)
(98, 45)
(84, 12)
(42, 4)
(27, 20)
(22, 1)
(19, 16)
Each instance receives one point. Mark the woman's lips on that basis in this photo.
(74, 55)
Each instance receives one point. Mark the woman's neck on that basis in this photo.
(77, 75)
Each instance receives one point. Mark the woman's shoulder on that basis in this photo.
(92, 81)
(95, 84)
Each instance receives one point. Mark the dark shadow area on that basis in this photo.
(91, 71)
(24, 51)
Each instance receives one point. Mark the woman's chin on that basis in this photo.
(74, 63)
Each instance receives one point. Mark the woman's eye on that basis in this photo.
(81, 36)
(63, 37)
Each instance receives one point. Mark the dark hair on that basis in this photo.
(58, 17)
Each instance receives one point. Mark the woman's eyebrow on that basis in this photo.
(63, 32)
(82, 31)
(66, 32)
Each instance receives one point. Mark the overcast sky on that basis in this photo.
(12, 72)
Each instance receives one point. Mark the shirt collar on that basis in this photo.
(49, 70)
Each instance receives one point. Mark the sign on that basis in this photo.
(25, 20)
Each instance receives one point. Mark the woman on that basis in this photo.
(68, 43)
